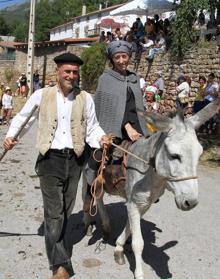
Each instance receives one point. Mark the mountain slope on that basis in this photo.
(8, 3)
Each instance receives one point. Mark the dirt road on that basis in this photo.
(179, 245)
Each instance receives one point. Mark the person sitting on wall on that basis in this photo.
(146, 42)
(159, 83)
(160, 46)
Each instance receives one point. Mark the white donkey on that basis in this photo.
(173, 155)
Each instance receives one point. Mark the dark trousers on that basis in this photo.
(59, 175)
(198, 105)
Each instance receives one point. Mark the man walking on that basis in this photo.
(67, 120)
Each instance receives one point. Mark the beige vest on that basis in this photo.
(48, 120)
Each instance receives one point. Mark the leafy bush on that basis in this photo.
(94, 64)
(9, 74)
(182, 27)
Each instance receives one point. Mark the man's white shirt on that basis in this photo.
(63, 136)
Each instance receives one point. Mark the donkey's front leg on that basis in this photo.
(120, 242)
(134, 216)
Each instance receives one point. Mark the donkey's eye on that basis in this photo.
(175, 157)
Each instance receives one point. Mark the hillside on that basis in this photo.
(48, 14)
(17, 12)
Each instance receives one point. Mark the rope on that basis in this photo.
(128, 152)
(176, 179)
(99, 179)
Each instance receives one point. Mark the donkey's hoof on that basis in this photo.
(89, 230)
(119, 257)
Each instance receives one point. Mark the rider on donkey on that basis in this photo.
(117, 99)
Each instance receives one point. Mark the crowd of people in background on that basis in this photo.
(207, 92)
(153, 35)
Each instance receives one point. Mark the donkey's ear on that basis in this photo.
(205, 114)
(160, 122)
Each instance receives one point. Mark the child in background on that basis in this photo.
(7, 105)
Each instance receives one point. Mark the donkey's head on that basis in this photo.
(178, 154)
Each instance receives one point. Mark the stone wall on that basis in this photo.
(196, 62)
(6, 65)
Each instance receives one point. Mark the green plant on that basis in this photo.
(203, 44)
(94, 63)
(9, 74)
(182, 27)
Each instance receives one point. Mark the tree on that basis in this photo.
(4, 27)
(94, 59)
(49, 13)
(186, 14)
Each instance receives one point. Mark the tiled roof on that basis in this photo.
(9, 44)
(58, 42)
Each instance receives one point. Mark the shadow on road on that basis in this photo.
(153, 255)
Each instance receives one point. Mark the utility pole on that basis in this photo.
(30, 53)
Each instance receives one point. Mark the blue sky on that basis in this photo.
(6, 3)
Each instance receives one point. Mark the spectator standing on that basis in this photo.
(210, 94)
(36, 81)
(182, 90)
(102, 37)
(198, 103)
(157, 25)
(7, 105)
(138, 28)
(149, 29)
(167, 32)
(218, 38)
(211, 90)
(2, 91)
(23, 84)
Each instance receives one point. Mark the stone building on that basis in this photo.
(44, 52)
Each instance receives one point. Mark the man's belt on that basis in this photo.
(63, 151)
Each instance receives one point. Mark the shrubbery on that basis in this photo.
(94, 59)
